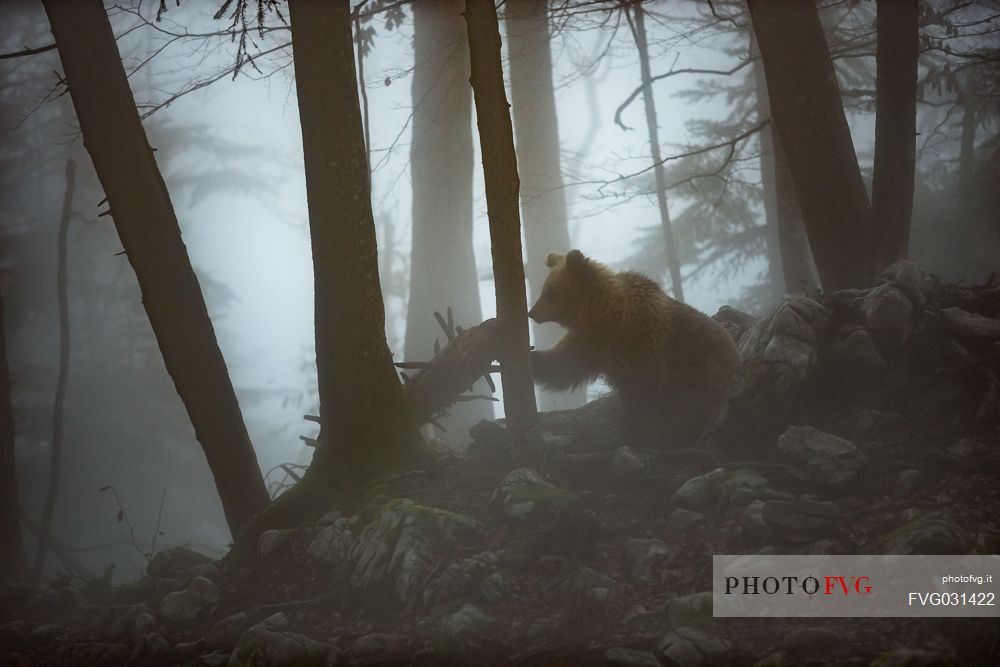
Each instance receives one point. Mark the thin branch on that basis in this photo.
(26, 51)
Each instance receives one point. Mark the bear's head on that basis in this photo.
(567, 291)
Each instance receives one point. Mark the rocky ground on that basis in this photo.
(862, 422)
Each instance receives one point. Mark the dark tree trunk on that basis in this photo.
(147, 226)
(642, 45)
(365, 426)
(895, 128)
(442, 261)
(62, 376)
(789, 256)
(543, 200)
(809, 119)
(496, 137)
(13, 562)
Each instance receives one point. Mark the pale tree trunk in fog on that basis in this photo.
(543, 200)
(62, 377)
(496, 136)
(13, 563)
(365, 427)
(895, 128)
(808, 118)
(148, 229)
(967, 146)
(789, 256)
(642, 45)
(442, 264)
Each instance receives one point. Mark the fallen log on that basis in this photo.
(445, 379)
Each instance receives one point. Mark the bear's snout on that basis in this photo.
(537, 314)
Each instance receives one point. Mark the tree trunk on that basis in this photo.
(967, 144)
(13, 563)
(147, 226)
(496, 137)
(442, 261)
(809, 119)
(543, 200)
(895, 128)
(365, 426)
(788, 252)
(62, 377)
(641, 43)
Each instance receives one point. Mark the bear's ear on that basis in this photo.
(577, 261)
(552, 259)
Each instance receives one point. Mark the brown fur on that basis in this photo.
(671, 365)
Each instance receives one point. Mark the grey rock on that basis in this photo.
(888, 315)
(403, 544)
(774, 659)
(466, 624)
(826, 458)
(94, 654)
(184, 606)
(335, 543)
(643, 556)
(687, 647)
(812, 639)
(681, 520)
(626, 657)
(524, 496)
(176, 563)
(778, 354)
(934, 533)
(268, 645)
(226, 632)
(753, 524)
(134, 622)
(970, 326)
(460, 578)
(854, 355)
(907, 483)
(701, 491)
(962, 449)
(735, 322)
(687, 610)
(272, 542)
(148, 646)
(907, 278)
(499, 587)
(626, 465)
(800, 520)
(588, 594)
(214, 659)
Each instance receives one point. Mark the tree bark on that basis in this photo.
(809, 119)
(642, 45)
(13, 562)
(496, 137)
(788, 252)
(442, 261)
(147, 226)
(62, 377)
(897, 48)
(365, 428)
(536, 136)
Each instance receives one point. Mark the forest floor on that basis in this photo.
(603, 556)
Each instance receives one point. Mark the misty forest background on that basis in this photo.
(219, 106)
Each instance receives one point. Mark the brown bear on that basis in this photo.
(671, 365)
